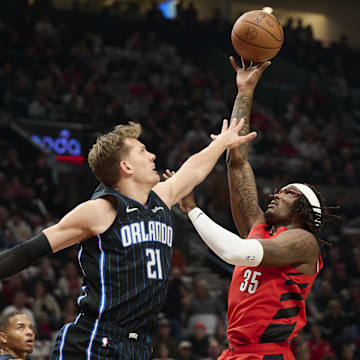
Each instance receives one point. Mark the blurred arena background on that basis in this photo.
(70, 70)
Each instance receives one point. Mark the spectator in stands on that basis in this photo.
(176, 302)
(348, 352)
(319, 347)
(214, 350)
(185, 351)
(335, 324)
(203, 303)
(163, 353)
(12, 165)
(20, 305)
(199, 340)
(11, 287)
(20, 229)
(154, 14)
(17, 336)
(44, 305)
(69, 284)
(163, 337)
(4, 232)
(341, 277)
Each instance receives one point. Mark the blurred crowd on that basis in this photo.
(49, 71)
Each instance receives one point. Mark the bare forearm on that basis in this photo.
(243, 197)
(200, 164)
(194, 171)
(241, 110)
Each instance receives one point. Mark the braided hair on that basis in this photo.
(313, 221)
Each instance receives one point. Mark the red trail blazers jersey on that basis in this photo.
(267, 305)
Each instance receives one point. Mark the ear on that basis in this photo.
(125, 168)
(3, 338)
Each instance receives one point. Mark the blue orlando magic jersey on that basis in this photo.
(126, 268)
(6, 357)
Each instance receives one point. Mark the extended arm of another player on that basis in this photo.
(76, 226)
(198, 166)
(292, 247)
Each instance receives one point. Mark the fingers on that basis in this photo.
(168, 174)
(238, 125)
(250, 136)
(261, 67)
(224, 126)
(243, 62)
(246, 64)
(244, 139)
(234, 64)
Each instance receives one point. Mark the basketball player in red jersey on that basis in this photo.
(279, 260)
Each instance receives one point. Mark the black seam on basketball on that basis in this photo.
(278, 25)
(248, 22)
(281, 31)
(260, 47)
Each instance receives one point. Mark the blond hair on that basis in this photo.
(105, 155)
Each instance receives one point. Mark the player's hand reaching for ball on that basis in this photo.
(230, 134)
(248, 76)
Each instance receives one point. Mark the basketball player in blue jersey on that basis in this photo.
(125, 233)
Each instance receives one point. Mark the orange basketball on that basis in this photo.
(257, 36)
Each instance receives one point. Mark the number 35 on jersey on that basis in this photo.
(251, 281)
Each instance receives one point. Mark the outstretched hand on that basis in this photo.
(187, 203)
(230, 135)
(248, 76)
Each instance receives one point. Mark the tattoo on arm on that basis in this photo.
(242, 109)
(244, 198)
(290, 248)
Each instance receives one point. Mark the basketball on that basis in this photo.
(257, 36)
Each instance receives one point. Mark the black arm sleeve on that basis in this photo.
(21, 256)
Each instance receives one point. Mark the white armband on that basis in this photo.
(227, 245)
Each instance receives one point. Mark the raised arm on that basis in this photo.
(243, 194)
(198, 166)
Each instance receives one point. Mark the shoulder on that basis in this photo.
(97, 206)
(91, 215)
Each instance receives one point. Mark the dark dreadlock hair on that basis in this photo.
(313, 221)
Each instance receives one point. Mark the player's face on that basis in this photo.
(19, 335)
(279, 209)
(142, 163)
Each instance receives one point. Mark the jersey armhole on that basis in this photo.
(112, 199)
(159, 198)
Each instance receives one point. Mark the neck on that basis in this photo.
(138, 192)
(275, 228)
(17, 355)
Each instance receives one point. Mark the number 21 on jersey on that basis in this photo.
(251, 281)
(154, 269)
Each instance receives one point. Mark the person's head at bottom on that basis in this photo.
(185, 350)
(17, 336)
